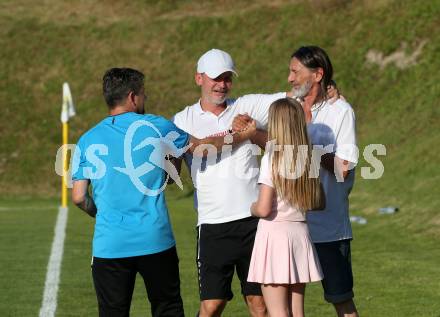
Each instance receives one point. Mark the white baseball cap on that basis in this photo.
(215, 62)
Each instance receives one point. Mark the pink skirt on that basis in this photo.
(283, 254)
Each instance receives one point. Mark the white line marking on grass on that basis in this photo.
(49, 304)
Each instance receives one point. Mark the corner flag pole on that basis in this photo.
(49, 302)
(68, 111)
(64, 182)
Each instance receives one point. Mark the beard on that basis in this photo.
(302, 90)
(219, 101)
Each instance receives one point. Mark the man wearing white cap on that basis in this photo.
(225, 185)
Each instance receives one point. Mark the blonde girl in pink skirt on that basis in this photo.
(284, 258)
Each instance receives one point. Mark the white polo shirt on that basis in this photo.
(333, 124)
(226, 184)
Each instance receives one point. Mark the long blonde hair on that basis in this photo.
(292, 154)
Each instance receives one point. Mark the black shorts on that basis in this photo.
(114, 281)
(335, 259)
(221, 249)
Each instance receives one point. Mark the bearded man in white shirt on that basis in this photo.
(332, 126)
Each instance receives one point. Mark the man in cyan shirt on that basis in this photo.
(125, 160)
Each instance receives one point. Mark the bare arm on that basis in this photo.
(263, 206)
(219, 141)
(335, 165)
(81, 197)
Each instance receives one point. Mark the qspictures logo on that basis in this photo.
(164, 147)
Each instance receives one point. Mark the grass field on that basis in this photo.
(395, 96)
(395, 273)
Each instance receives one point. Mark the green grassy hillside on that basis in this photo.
(385, 55)
(44, 45)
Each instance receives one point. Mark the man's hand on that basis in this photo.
(249, 130)
(339, 167)
(333, 92)
(241, 122)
